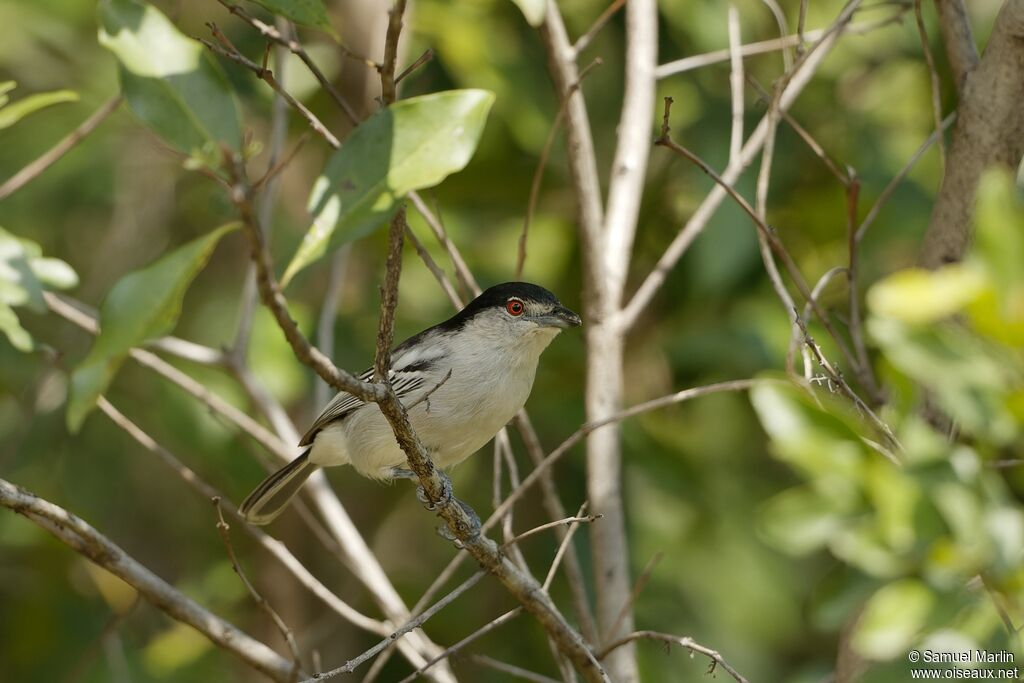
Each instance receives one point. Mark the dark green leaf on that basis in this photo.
(142, 305)
(168, 80)
(306, 12)
(414, 143)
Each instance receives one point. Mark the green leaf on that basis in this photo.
(19, 286)
(11, 327)
(306, 12)
(892, 619)
(142, 305)
(412, 144)
(533, 10)
(12, 113)
(920, 297)
(168, 80)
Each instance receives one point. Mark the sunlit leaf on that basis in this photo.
(17, 335)
(176, 647)
(920, 296)
(799, 521)
(533, 10)
(19, 285)
(412, 144)
(168, 80)
(306, 12)
(12, 113)
(142, 305)
(892, 619)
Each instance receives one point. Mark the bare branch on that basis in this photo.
(224, 530)
(898, 178)
(296, 48)
(225, 49)
(427, 55)
(387, 68)
(31, 171)
(989, 132)
(393, 637)
(517, 671)
(476, 635)
(462, 272)
(583, 42)
(688, 643)
(933, 75)
(735, 83)
(90, 543)
(956, 34)
(271, 545)
(802, 74)
(568, 521)
(761, 47)
(328, 312)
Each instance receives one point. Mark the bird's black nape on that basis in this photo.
(497, 296)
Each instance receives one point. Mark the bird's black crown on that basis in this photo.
(497, 296)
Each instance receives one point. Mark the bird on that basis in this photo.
(461, 380)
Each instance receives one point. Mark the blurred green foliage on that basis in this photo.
(772, 538)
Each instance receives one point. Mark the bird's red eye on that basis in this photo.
(515, 307)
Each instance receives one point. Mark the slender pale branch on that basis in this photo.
(55, 153)
(90, 543)
(688, 643)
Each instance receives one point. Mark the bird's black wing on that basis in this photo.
(407, 376)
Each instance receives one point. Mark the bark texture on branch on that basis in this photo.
(83, 538)
(989, 129)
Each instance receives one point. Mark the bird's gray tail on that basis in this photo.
(269, 499)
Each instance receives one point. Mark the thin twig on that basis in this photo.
(735, 83)
(803, 71)
(296, 48)
(638, 587)
(462, 272)
(688, 643)
(90, 543)
(414, 623)
(780, 19)
(769, 233)
(583, 42)
(933, 75)
(476, 635)
(898, 178)
(32, 170)
(387, 67)
(267, 76)
(517, 671)
(277, 549)
(750, 49)
(328, 312)
(427, 55)
(836, 378)
(551, 525)
(435, 270)
(289, 638)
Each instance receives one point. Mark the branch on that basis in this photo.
(90, 543)
(801, 76)
(688, 643)
(224, 530)
(956, 33)
(296, 48)
(933, 76)
(989, 132)
(227, 50)
(51, 156)
(387, 69)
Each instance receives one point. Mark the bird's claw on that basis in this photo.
(446, 494)
(474, 525)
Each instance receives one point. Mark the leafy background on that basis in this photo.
(744, 518)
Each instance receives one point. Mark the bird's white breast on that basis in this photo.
(491, 378)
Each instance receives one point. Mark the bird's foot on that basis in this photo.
(446, 493)
(474, 525)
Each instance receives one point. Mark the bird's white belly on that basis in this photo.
(365, 440)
